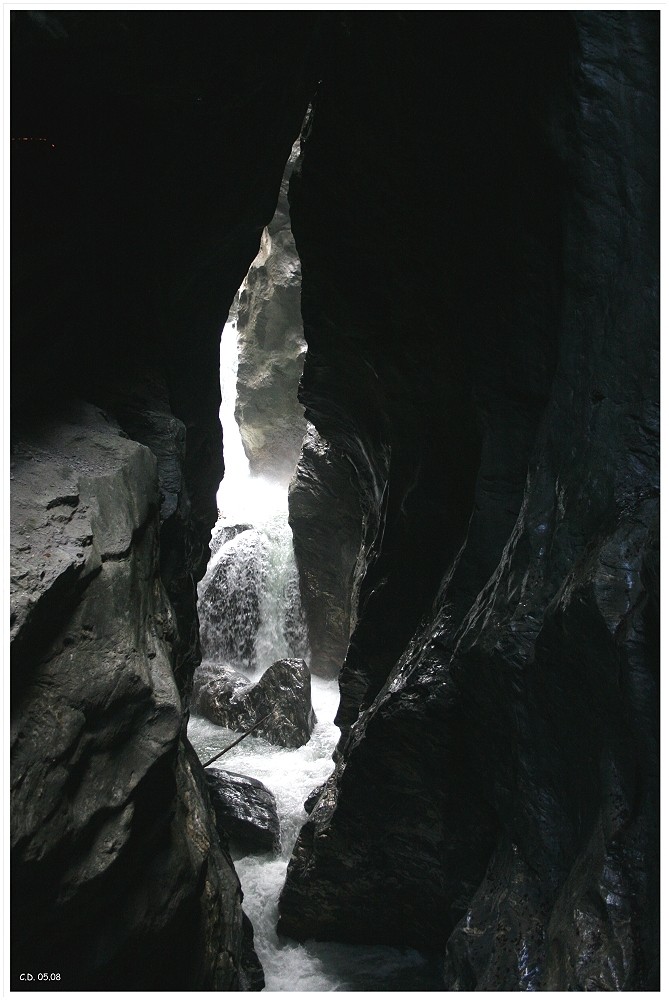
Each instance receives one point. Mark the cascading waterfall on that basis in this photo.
(249, 597)
(250, 616)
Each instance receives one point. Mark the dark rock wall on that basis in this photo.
(476, 219)
(326, 515)
(430, 240)
(133, 225)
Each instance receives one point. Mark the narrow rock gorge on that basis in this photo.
(475, 508)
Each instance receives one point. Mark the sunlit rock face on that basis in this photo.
(324, 496)
(475, 216)
(271, 348)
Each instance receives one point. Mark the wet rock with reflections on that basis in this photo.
(283, 693)
(496, 784)
(312, 798)
(326, 518)
(245, 810)
(215, 685)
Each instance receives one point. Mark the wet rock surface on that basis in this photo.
(325, 514)
(496, 783)
(113, 845)
(142, 406)
(253, 977)
(215, 685)
(283, 693)
(245, 810)
(313, 798)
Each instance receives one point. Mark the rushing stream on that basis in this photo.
(259, 624)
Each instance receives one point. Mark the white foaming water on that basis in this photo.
(291, 775)
(259, 585)
(242, 498)
(261, 559)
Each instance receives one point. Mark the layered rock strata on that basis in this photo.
(487, 356)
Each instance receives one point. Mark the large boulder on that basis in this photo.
(283, 693)
(245, 810)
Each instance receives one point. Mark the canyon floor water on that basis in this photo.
(292, 775)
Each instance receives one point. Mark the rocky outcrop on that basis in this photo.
(325, 514)
(245, 810)
(142, 406)
(312, 798)
(283, 695)
(271, 348)
(114, 849)
(215, 685)
(496, 787)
